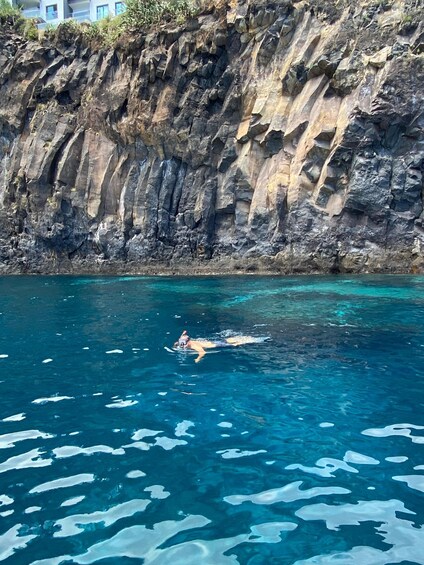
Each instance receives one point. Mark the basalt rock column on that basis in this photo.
(260, 136)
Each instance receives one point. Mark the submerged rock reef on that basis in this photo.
(259, 136)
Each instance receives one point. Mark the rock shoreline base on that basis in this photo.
(393, 262)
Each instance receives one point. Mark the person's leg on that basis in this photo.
(197, 347)
(238, 340)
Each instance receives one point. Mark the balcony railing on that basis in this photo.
(31, 13)
(81, 15)
(52, 17)
(26, 4)
(85, 3)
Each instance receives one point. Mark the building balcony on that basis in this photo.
(31, 13)
(80, 15)
(52, 12)
(27, 4)
(79, 4)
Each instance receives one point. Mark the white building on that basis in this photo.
(55, 11)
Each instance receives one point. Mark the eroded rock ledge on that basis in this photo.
(259, 137)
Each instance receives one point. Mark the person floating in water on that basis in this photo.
(183, 340)
(200, 345)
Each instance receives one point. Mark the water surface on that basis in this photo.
(305, 449)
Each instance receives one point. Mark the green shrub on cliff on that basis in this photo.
(144, 13)
(7, 10)
(106, 30)
(29, 30)
(99, 33)
(12, 16)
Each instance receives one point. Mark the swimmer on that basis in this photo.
(183, 340)
(200, 345)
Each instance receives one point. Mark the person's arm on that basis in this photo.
(197, 347)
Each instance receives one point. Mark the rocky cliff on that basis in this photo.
(258, 136)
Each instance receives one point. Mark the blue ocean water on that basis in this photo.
(307, 448)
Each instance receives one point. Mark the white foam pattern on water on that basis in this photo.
(353, 514)
(73, 450)
(52, 399)
(72, 501)
(6, 513)
(5, 500)
(237, 453)
(325, 467)
(404, 540)
(415, 482)
(182, 427)
(168, 443)
(359, 459)
(9, 440)
(141, 434)
(157, 491)
(398, 459)
(32, 458)
(15, 418)
(286, 493)
(74, 525)
(122, 403)
(12, 540)
(152, 544)
(136, 474)
(396, 430)
(32, 509)
(63, 482)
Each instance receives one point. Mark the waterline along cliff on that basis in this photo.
(256, 136)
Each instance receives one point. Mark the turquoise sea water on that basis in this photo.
(307, 448)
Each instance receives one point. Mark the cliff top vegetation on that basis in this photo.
(147, 15)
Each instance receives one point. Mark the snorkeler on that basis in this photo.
(183, 340)
(200, 345)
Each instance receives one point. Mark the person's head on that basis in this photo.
(184, 339)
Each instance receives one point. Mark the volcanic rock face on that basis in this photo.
(259, 136)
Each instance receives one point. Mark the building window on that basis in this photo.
(51, 12)
(102, 11)
(119, 7)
